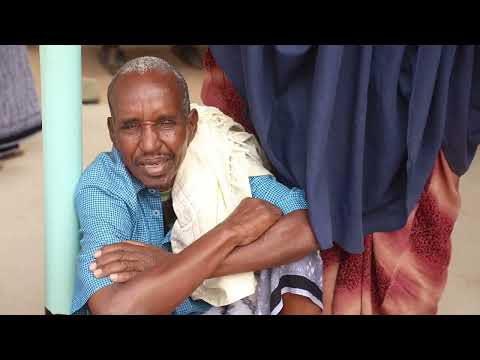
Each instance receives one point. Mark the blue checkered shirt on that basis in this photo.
(113, 206)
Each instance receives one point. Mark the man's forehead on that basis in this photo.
(132, 87)
(131, 90)
(131, 81)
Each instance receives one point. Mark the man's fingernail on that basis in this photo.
(97, 254)
(93, 266)
(97, 273)
(114, 277)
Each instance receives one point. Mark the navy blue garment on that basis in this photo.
(359, 127)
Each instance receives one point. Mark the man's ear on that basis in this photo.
(111, 129)
(192, 122)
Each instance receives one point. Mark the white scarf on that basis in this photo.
(211, 182)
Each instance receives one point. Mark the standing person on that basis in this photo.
(392, 129)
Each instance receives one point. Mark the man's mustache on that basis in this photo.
(154, 159)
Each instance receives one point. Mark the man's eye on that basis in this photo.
(129, 125)
(166, 123)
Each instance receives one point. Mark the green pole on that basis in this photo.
(61, 92)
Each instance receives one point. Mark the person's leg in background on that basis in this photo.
(112, 57)
(189, 54)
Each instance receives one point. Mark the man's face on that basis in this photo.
(149, 128)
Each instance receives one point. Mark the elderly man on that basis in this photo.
(124, 205)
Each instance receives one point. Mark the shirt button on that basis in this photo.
(156, 213)
(151, 191)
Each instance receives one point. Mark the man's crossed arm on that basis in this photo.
(253, 238)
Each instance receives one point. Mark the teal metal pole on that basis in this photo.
(61, 92)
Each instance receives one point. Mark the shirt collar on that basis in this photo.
(117, 158)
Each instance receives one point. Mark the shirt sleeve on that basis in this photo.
(104, 219)
(269, 189)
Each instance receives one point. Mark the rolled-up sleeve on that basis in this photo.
(104, 219)
(269, 189)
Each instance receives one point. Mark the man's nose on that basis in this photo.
(149, 140)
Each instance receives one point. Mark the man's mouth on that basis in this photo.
(156, 166)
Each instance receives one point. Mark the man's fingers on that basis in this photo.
(124, 245)
(117, 267)
(107, 258)
(123, 276)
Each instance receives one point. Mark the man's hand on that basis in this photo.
(124, 260)
(250, 219)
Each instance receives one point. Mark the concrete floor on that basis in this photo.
(21, 209)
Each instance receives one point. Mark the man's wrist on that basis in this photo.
(229, 234)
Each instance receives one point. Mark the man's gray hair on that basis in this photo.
(145, 64)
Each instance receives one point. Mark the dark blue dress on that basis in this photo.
(359, 127)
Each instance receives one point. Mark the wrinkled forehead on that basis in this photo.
(135, 89)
